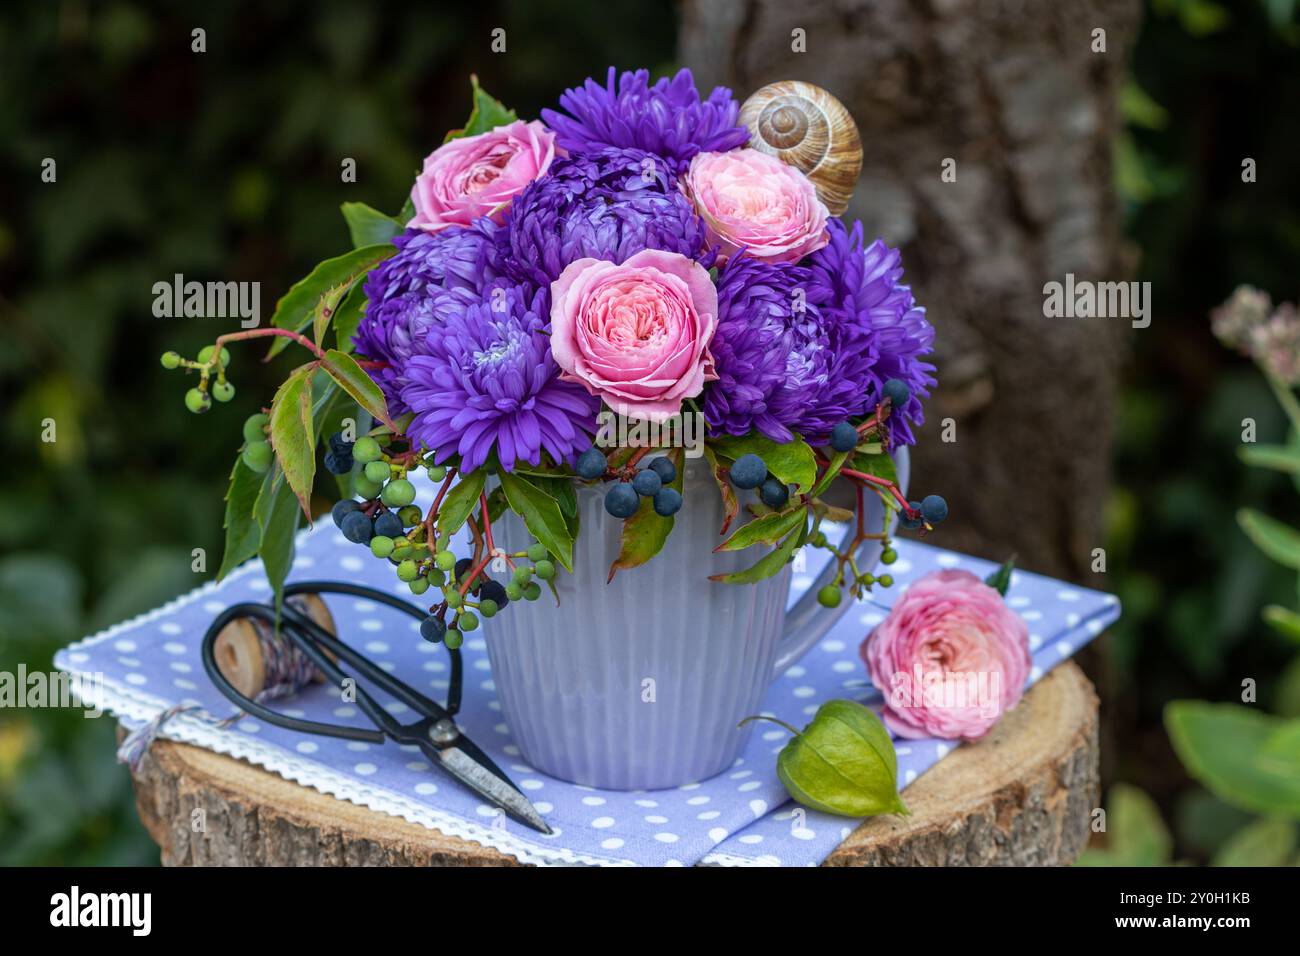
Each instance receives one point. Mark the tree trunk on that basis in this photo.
(1013, 92)
(1021, 796)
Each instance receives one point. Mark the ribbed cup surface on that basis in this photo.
(639, 683)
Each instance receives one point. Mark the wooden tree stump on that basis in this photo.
(1021, 796)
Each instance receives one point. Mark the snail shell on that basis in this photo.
(803, 125)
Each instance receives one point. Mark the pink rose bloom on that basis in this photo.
(950, 659)
(478, 175)
(636, 335)
(753, 202)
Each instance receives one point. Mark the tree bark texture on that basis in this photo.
(1013, 92)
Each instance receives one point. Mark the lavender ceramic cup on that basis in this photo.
(640, 683)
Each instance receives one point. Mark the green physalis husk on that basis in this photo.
(843, 762)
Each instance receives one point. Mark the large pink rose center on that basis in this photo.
(632, 325)
(955, 645)
(630, 313)
(485, 171)
(743, 193)
(636, 334)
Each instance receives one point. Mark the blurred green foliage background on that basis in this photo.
(225, 165)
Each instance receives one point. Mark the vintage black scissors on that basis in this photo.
(435, 733)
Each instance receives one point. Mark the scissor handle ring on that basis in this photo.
(266, 613)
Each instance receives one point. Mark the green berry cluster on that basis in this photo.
(257, 453)
(211, 367)
(858, 583)
(394, 528)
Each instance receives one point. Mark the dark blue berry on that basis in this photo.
(646, 483)
(338, 464)
(591, 464)
(844, 437)
(494, 591)
(897, 392)
(432, 630)
(774, 493)
(621, 501)
(933, 509)
(463, 567)
(667, 502)
(388, 525)
(340, 445)
(748, 472)
(911, 524)
(358, 528)
(665, 469)
(342, 509)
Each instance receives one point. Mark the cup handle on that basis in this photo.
(807, 622)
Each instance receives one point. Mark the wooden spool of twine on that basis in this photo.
(243, 646)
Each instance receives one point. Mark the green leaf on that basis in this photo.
(768, 529)
(330, 406)
(277, 516)
(543, 470)
(343, 368)
(879, 466)
(1278, 541)
(541, 514)
(486, 114)
(1278, 457)
(1247, 758)
(1135, 833)
(1000, 579)
(1262, 843)
(559, 487)
(292, 435)
(1285, 699)
(1283, 620)
(645, 532)
(242, 532)
(326, 307)
(348, 318)
(368, 226)
(843, 763)
(793, 462)
(496, 504)
(833, 469)
(731, 506)
(460, 501)
(295, 310)
(40, 599)
(766, 566)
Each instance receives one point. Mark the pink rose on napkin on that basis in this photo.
(753, 202)
(950, 658)
(479, 175)
(636, 335)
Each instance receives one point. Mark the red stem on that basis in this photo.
(881, 483)
(262, 333)
(433, 510)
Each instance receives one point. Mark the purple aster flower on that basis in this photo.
(432, 275)
(667, 119)
(483, 380)
(608, 205)
(882, 333)
(780, 366)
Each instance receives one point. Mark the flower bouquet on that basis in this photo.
(636, 353)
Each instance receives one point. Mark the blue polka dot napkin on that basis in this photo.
(740, 817)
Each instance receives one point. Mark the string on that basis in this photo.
(287, 670)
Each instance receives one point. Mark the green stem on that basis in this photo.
(772, 719)
(1286, 398)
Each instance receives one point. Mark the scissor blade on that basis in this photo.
(487, 784)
